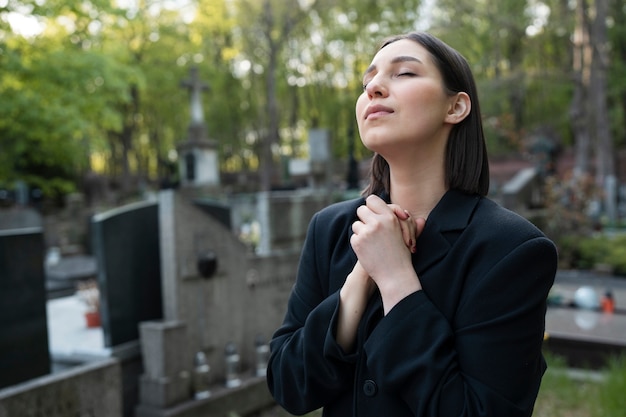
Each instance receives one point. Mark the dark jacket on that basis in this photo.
(469, 344)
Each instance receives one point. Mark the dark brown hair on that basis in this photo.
(466, 163)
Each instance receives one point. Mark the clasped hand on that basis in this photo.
(383, 239)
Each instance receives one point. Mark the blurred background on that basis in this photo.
(95, 114)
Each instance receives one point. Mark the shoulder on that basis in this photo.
(499, 220)
(496, 233)
(458, 211)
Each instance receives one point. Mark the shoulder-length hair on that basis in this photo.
(466, 162)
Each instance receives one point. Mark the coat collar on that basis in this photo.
(452, 212)
(446, 221)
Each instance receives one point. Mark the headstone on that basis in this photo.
(23, 321)
(198, 161)
(228, 304)
(219, 297)
(126, 247)
(319, 152)
(319, 145)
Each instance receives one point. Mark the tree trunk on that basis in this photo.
(270, 136)
(605, 164)
(598, 94)
(579, 113)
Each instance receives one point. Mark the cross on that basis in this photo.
(195, 87)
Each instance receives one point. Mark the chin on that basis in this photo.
(377, 143)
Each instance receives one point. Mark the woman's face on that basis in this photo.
(404, 103)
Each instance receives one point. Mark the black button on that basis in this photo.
(369, 388)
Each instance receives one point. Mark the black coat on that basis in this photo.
(469, 344)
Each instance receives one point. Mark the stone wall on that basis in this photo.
(92, 390)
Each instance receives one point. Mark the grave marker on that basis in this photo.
(23, 321)
(126, 246)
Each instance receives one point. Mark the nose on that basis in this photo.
(376, 87)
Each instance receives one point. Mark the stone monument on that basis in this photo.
(23, 319)
(222, 297)
(198, 161)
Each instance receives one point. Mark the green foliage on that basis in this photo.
(521, 62)
(612, 401)
(601, 249)
(57, 104)
(562, 396)
(598, 394)
(106, 80)
(593, 250)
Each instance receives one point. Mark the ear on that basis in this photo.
(460, 106)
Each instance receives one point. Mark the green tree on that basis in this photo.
(55, 104)
(106, 81)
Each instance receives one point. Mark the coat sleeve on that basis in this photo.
(487, 362)
(307, 368)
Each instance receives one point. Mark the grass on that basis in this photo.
(563, 394)
(599, 394)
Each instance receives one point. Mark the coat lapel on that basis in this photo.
(447, 220)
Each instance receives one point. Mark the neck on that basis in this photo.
(418, 188)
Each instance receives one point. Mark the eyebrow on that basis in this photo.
(401, 58)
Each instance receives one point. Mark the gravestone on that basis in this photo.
(23, 322)
(126, 246)
(216, 291)
(320, 155)
(198, 161)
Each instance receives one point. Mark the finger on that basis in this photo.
(407, 225)
(420, 223)
(399, 212)
(407, 233)
(364, 213)
(356, 226)
(376, 204)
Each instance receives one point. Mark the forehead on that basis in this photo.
(402, 47)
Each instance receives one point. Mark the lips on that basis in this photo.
(375, 111)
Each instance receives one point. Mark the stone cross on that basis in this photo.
(195, 87)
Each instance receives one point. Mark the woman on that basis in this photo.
(450, 326)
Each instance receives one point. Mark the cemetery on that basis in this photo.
(187, 293)
(187, 285)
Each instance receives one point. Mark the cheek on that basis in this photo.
(427, 105)
(361, 102)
